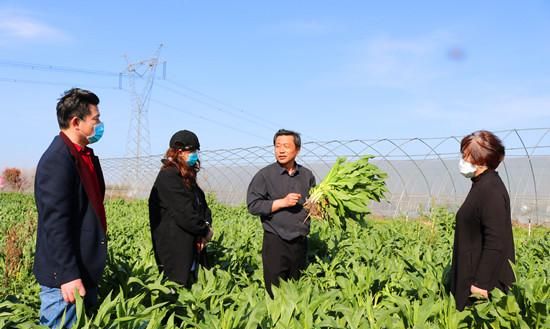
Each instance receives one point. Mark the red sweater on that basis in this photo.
(85, 166)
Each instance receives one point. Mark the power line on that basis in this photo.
(210, 101)
(64, 69)
(51, 83)
(236, 109)
(67, 84)
(56, 68)
(240, 116)
(206, 119)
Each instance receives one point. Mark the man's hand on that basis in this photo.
(200, 244)
(290, 200)
(479, 291)
(67, 290)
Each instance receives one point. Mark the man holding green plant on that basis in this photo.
(277, 194)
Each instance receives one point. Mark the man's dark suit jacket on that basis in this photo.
(71, 242)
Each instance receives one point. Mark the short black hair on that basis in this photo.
(284, 132)
(74, 102)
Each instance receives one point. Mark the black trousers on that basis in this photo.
(282, 259)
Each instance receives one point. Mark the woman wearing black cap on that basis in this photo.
(178, 214)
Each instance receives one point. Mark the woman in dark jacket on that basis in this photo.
(178, 214)
(483, 243)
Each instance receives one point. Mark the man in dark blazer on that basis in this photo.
(71, 244)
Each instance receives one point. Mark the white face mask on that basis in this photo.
(467, 169)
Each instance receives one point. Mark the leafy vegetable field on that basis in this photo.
(368, 274)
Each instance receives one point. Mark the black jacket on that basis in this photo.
(178, 215)
(70, 242)
(483, 243)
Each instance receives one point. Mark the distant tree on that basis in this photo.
(13, 178)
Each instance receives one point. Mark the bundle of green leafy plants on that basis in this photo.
(347, 190)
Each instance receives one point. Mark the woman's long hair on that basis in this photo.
(172, 158)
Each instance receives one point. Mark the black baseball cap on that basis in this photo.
(185, 140)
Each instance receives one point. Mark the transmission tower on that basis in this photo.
(138, 146)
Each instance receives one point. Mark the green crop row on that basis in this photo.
(366, 274)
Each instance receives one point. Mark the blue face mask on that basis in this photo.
(98, 132)
(192, 159)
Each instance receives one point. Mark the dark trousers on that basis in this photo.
(282, 259)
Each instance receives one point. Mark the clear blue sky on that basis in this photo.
(328, 69)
